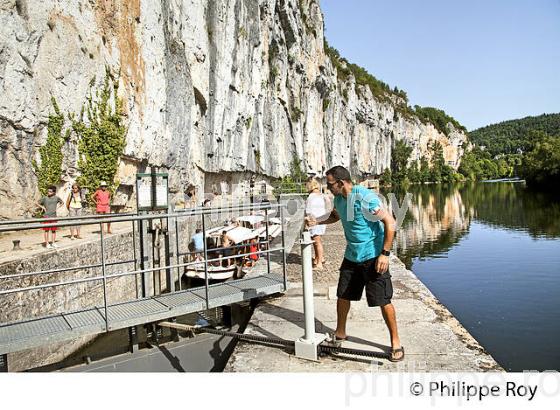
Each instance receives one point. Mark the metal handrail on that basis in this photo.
(66, 218)
(111, 218)
(131, 273)
(60, 270)
(134, 217)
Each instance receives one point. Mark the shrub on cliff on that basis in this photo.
(49, 171)
(438, 118)
(101, 137)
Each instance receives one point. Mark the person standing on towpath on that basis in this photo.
(369, 230)
(102, 199)
(49, 205)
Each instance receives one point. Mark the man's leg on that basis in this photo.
(389, 315)
(342, 309)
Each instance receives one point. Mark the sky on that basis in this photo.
(482, 62)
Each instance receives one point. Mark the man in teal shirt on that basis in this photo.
(369, 230)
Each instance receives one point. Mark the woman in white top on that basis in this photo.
(316, 206)
(74, 206)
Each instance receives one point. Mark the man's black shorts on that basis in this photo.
(355, 276)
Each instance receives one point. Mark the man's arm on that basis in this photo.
(390, 226)
(332, 218)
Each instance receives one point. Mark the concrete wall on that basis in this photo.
(52, 300)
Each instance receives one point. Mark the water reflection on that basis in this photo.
(440, 215)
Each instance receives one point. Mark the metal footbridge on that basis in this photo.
(132, 278)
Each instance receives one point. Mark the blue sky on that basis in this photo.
(482, 62)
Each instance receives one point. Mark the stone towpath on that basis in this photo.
(433, 339)
(31, 240)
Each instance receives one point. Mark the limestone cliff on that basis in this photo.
(213, 91)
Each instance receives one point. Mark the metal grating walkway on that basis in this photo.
(33, 333)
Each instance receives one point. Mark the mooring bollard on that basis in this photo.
(16, 245)
(307, 346)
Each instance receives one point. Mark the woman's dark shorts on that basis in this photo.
(355, 276)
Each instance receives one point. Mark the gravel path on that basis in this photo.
(334, 245)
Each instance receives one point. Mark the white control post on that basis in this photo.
(306, 347)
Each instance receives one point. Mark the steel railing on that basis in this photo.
(140, 220)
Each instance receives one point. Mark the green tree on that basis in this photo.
(541, 165)
(424, 170)
(509, 137)
(399, 160)
(414, 174)
(438, 162)
(386, 178)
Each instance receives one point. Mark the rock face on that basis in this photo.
(213, 90)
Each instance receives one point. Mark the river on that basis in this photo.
(490, 252)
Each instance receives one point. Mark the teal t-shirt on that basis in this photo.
(364, 233)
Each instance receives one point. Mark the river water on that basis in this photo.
(490, 252)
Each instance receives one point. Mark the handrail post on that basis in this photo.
(177, 250)
(104, 279)
(307, 346)
(144, 258)
(284, 272)
(205, 261)
(267, 242)
(168, 252)
(135, 257)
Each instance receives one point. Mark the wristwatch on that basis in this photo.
(385, 253)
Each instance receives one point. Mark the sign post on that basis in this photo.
(152, 195)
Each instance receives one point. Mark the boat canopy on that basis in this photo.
(240, 234)
(251, 219)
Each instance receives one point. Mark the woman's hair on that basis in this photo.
(75, 185)
(312, 184)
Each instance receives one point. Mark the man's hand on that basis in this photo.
(310, 221)
(382, 264)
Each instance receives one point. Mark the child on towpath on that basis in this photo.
(49, 205)
(74, 204)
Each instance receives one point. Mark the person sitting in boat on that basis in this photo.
(213, 254)
(197, 245)
(253, 253)
(226, 243)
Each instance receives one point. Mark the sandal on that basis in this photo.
(334, 341)
(393, 352)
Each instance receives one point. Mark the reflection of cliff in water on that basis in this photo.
(439, 215)
(437, 218)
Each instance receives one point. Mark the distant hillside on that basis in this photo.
(506, 137)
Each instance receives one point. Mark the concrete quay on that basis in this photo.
(433, 338)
